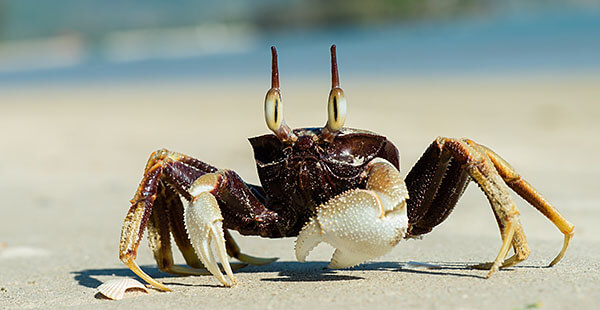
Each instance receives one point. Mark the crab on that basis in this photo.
(332, 184)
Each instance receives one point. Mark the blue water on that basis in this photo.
(555, 41)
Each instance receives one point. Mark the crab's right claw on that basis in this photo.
(204, 225)
(362, 224)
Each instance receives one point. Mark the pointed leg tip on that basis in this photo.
(555, 261)
(133, 266)
(160, 286)
(166, 289)
(482, 266)
(560, 255)
(492, 271)
(257, 261)
(238, 266)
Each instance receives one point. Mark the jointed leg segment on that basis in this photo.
(527, 192)
(440, 177)
(157, 206)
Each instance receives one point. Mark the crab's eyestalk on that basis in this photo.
(336, 106)
(274, 107)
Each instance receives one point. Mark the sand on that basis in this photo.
(73, 155)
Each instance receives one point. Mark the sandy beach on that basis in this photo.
(73, 155)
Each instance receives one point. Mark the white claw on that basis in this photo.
(342, 259)
(309, 238)
(204, 225)
(360, 224)
(219, 240)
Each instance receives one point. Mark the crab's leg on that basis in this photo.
(234, 251)
(492, 174)
(246, 213)
(525, 190)
(483, 173)
(439, 191)
(434, 195)
(159, 236)
(162, 166)
(204, 221)
(167, 216)
(361, 224)
(174, 213)
(177, 225)
(137, 218)
(179, 171)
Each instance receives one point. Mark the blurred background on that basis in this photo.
(131, 40)
(89, 88)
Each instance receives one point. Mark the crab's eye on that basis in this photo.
(273, 109)
(336, 109)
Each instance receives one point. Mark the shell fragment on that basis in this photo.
(115, 289)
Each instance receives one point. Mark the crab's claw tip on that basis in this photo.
(308, 239)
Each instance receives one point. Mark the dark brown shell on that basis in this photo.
(297, 178)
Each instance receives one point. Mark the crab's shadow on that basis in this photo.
(290, 271)
(318, 271)
(88, 277)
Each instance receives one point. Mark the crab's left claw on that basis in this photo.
(362, 224)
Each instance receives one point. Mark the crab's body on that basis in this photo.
(297, 178)
(333, 184)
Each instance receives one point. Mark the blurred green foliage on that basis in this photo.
(317, 13)
(91, 19)
(22, 19)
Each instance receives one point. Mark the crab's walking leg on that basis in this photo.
(163, 167)
(361, 224)
(438, 179)
(159, 227)
(525, 190)
(168, 205)
(204, 221)
(234, 251)
(165, 173)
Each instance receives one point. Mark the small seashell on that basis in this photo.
(115, 289)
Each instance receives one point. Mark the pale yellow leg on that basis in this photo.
(234, 251)
(506, 242)
(482, 170)
(531, 195)
(136, 269)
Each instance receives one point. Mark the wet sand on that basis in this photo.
(73, 156)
